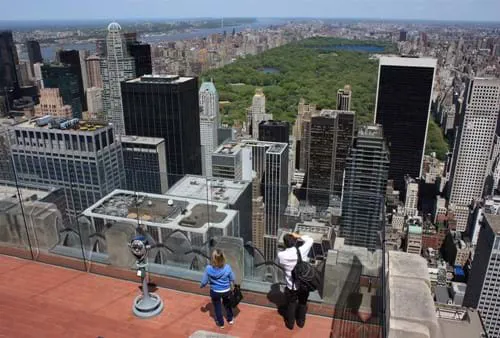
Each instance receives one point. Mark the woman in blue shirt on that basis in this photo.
(220, 276)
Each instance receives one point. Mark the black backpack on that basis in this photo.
(305, 276)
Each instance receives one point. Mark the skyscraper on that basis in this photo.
(209, 123)
(83, 158)
(344, 97)
(209, 100)
(257, 113)
(76, 60)
(365, 182)
(473, 145)
(64, 77)
(331, 136)
(166, 107)
(8, 62)
(116, 66)
(301, 132)
(227, 161)
(270, 164)
(403, 105)
(94, 71)
(144, 163)
(141, 52)
(34, 52)
(274, 131)
(275, 195)
(482, 286)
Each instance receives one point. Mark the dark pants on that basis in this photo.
(296, 307)
(217, 297)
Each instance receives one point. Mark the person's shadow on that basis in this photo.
(277, 297)
(209, 307)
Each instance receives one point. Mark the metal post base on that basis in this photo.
(147, 307)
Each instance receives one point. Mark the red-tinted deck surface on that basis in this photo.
(39, 300)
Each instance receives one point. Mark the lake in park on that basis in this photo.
(352, 48)
(269, 70)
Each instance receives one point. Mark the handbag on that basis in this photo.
(236, 296)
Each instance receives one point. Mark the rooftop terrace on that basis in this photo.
(50, 301)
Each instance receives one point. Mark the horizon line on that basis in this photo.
(251, 17)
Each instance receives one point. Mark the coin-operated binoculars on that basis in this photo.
(148, 304)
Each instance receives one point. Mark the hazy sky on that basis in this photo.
(471, 10)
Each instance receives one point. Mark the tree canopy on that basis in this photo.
(313, 69)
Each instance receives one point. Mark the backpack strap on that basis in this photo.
(299, 255)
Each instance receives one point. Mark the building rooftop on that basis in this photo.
(208, 86)
(470, 327)
(494, 222)
(408, 61)
(162, 79)
(51, 123)
(167, 211)
(99, 306)
(331, 113)
(142, 140)
(213, 189)
(228, 148)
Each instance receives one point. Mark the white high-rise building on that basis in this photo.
(473, 147)
(209, 122)
(37, 70)
(208, 137)
(116, 66)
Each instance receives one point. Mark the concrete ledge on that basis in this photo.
(410, 312)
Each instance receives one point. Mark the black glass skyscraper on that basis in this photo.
(72, 58)
(34, 52)
(364, 188)
(142, 56)
(64, 77)
(8, 62)
(166, 107)
(403, 108)
(274, 131)
(330, 138)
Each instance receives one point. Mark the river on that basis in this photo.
(49, 52)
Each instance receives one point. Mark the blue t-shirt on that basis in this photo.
(219, 278)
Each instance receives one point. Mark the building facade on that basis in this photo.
(482, 286)
(116, 66)
(473, 146)
(94, 101)
(93, 65)
(227, 161)
(330, 138)
(166, 107)
(404, 94)
(366, 174)
(82, 158)
(145, 164)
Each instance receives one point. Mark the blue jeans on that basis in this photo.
(217, 297)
